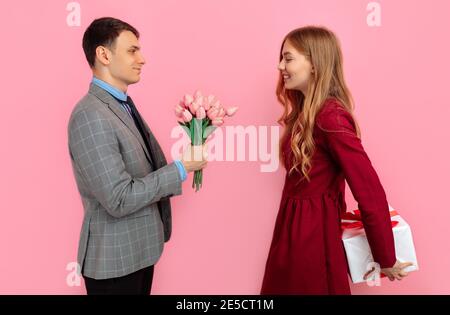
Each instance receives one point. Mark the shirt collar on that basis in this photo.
(110, 89)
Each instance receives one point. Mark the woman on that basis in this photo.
(320, 149)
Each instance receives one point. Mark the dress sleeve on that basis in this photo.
(346, 149)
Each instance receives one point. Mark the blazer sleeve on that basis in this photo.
(347, 151)
(95, 152)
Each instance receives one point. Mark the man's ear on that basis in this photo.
(103, 55)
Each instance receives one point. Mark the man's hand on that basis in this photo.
(194, 158)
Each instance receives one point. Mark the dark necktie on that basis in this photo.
(164, 203)
(141, 127)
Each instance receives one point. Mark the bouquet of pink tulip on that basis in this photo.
(199, 116)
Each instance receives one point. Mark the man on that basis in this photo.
(122, 175)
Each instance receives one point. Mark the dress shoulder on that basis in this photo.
(333, 117)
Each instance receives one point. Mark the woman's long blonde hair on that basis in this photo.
(322, 49)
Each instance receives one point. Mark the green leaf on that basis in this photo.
(208, 130)
(197, 131)
(186, 129)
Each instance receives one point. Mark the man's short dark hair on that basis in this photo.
(103, 32)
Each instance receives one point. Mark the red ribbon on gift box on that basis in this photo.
(356, 217)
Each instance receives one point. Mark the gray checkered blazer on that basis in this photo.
(127, 213)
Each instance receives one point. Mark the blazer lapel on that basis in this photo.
(156, 149)
(118, 110)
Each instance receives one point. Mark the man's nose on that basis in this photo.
(141, 59)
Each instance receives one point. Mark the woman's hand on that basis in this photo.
(395, 272)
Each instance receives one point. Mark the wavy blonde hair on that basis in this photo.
(321, 47)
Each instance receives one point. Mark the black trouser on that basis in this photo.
(138, 282)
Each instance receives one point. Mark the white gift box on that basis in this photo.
(359, 255)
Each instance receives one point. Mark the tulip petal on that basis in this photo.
(231, 111)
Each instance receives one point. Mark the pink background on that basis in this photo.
(398, 74)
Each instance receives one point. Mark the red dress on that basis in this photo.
(307, 254)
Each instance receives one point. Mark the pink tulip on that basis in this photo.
(194, 107)
(187, 116)
(217, 122)
(199, 99)
(179, 110)
(221, 113)
(211, 99)
(200, 114)
(188, 99)
(216, 104)
(231, 111)
(200, 107)
(206, 103)
(197, 94)
(182, 104)
(212, 113)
